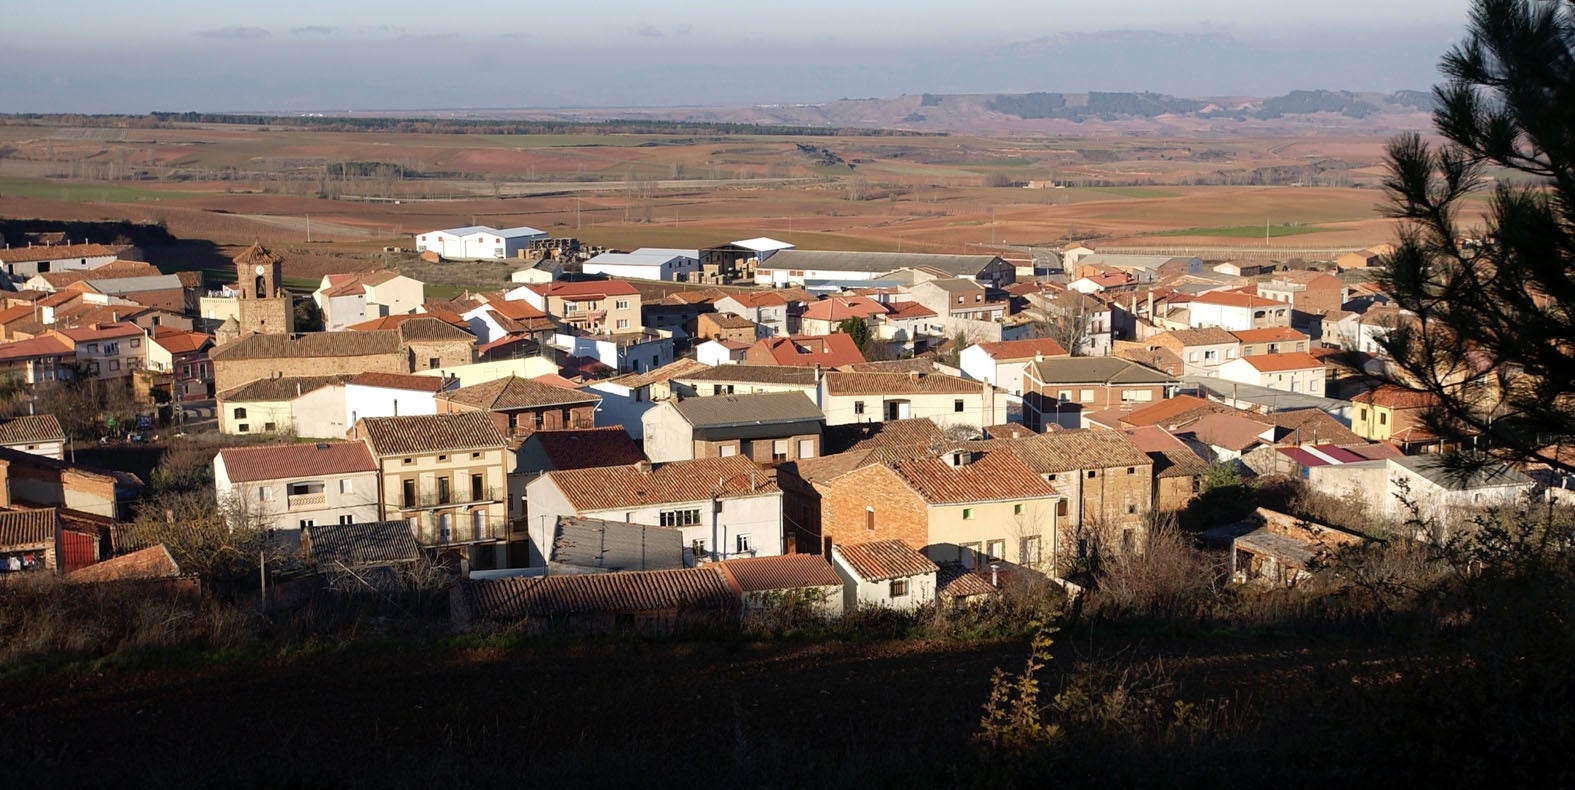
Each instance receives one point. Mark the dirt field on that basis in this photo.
(234, 185)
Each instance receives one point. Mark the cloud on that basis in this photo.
(236, 33)
(514, 34)
(648, 30)
(428, 36)
(321, 30)
(682, 30)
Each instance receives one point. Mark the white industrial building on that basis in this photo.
(646, 263)
(478, 242)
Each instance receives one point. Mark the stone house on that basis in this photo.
(520, 407)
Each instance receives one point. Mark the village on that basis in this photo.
(662, 436)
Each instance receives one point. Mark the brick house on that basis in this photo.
(1059, 391)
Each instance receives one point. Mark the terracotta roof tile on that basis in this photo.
(828, 351)
(841, 308)
(610, 487)
(993, 477)
(512, 393)
(954, 580)
(879, 560)
(284, 388)
(865, 383)
(1023, 349)
(1395, 397)
(1229, 431)
(678, 368)
(397, 381)
(1271, 334)
(24, 528)
(630, 592)
(587, 448)
(309, 345)
(151, 563)
(1172, 413)
(256, 254)
(765, 374)
(31, 429)
(1293, 360)
(369, 543)
(291, 461)
(53, 252)
(1203, 336)
(426, 327)
(177, 341)
(785, 572)
(428, 433)
(1064, 451)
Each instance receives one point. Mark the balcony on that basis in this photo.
(305, 501)
(459, 529)
(431, 498)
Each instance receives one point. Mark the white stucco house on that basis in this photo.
(1002, 363)
(725, 507)
(884, 573)
(478, 242)
(294, 486)
(1295, 371)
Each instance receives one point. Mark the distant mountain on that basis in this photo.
(1044, 113)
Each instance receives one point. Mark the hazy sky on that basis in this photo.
(114, 56)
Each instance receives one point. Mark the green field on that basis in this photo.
(85, 192)
(1243, 231)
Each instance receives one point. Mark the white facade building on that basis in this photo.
(478, 242)
(646, 263)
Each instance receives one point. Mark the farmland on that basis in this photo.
(335, 199)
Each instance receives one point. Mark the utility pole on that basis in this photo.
(308, 228)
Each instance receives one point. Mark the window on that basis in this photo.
(1136, 396)
(114, 364)
(476, 454)
(346, 486)
(442, 491)
(307, 522)
(445, 527)
(346, 520)
(442, 458)
(1131, 470)
(806, 448)
(869, 518)
(432, 363)
(243, 428)
(1017, 509)
(1028, 551)
(1088, 396)
(744, 544)
(136, 342)
(1064, 396)
(1383, 418)
(1211, 356)
(680, 518)
(726, 451)
(264, 494)
(622, 323)
(478, 524)
(477, 490)
(408, 461)
(1060, 508)
(92, 348)
(1192, 356)
(269, 427)
(111, 348)
(996, 549)
(899, 588)
(957, 405)
(967, 513)
(408, 493)
(621, 304)
(240, 413)
(779, 450)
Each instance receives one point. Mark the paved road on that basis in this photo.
(199, 415)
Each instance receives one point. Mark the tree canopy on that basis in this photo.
(1490, 325)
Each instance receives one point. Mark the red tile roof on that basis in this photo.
(829, 351)
(1293, 360)
(588, 448)
(841, 308)
(870, 383)
(1272, 334)
(398, 381)
(1229, 431)
(430, 433)
(1394, 397)
(587, 289)
(291, 461)
(993, 477)
(1024, 349)
(785, 572)
(47, 346)
(53, 252)
(1234, 299)
(153, 562)
(513, 393)
(954, 580)
(611, 487)
(31, 429)
(26, 528)
(897, 311)
(879, 560)
(177, 341)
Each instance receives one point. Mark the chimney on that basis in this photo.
(1039, 356)
(644, 466)
(995, 574)
(913, 375)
